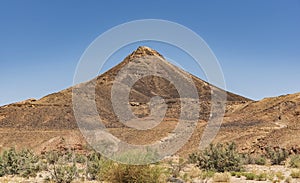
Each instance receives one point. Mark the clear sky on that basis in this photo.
(256, 42)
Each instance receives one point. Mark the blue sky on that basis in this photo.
(256, 42)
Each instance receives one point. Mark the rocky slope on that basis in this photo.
(43, 123)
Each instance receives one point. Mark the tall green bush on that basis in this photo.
(23, 163)
(62, 167)
(219, 157)
(277, 156)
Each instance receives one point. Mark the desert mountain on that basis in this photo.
(50, 123)
(55, 110)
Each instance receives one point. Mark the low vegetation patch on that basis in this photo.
(295, 173)
(294, 161)
(68, 166)
(222, 177)
(250, 176)
(211, 164)
(262, 177)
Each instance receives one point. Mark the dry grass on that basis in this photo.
(222, 177)
(295, 173)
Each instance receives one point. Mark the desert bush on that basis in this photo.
(10, 162)
(271, 176)
(63, 173)
(176, 167)
(222, 177)
(295, 161)
(277, 156)
(23, 163)
(219, 158)
(253, 176)
(295, 173)
(62, 167)
(1, 168)
(67, 166)
(193, 158)
(93, 165)
(247, 159)
(253, 159)
(280, 175)
(52, 157)
(102, 169)
(137, 157)
(29, 164)
(260, 160)
(123, 173)
(79, 158)
(262, 177)
(250, 176)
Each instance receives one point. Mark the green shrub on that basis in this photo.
(253, 176)
(10, 162)
(219, 158)
(247, 159)
(62, 167)
(236, 174)
(1, 168)
(93, 165)
(260, 160)
(250, 176)
(262, 177)
(79, 158)
(176, 167)
(277, 156)
(23, 163)
(52, 157)
(193, 158)
(233, 174)
(29, 164)
(63, 173)
(253, 159)
(295, 161)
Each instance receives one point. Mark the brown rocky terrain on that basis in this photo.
(49, 123)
